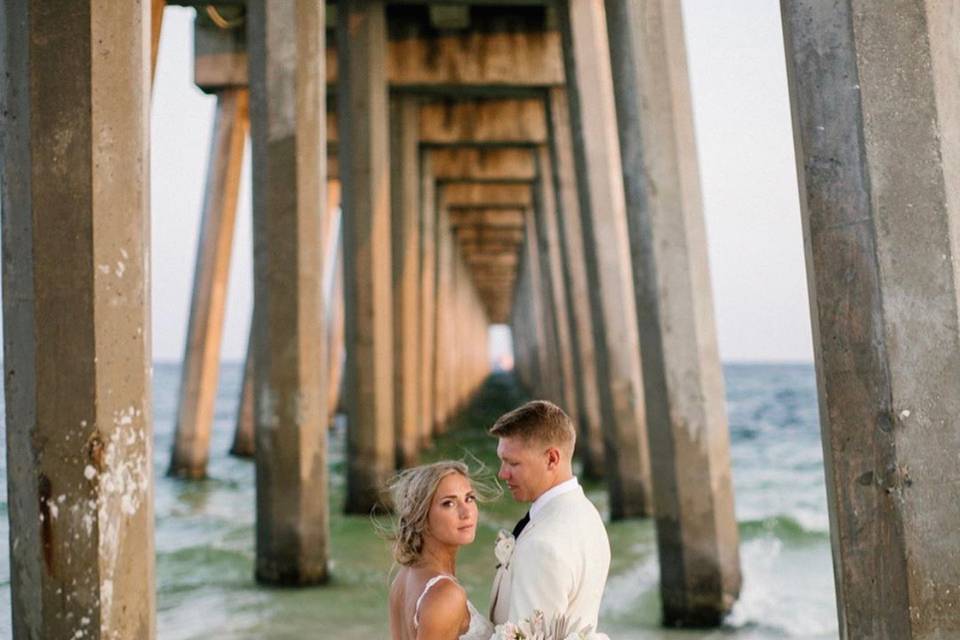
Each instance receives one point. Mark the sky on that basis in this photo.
(748, 176)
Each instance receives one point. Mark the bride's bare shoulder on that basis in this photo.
(443, 610)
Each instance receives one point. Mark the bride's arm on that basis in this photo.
(443, 612)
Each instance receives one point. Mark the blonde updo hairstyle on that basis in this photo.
(412, 492)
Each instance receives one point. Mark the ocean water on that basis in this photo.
(205, 543)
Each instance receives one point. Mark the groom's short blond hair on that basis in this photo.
(538, 421)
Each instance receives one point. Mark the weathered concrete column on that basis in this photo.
(76, 317)
(244, 441)
(607, 252)
(876, 113)
(288, 107)
(428, 294)
(570, 231)
(335, 306)
(243, 436)
(444, 279)
(201, 358)
(545, 383)
(405, 208)
(548, 240)
(697, 536)
(364, 153)
(525, 362)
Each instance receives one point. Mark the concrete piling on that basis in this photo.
(607, 252)
(405, 208)
(288, 99)
(363, 119)
(76, 316)
(876, 117)
(201, 359)
(697, 536)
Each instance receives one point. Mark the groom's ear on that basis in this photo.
(553, 457)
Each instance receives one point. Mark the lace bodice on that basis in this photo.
(480, 628)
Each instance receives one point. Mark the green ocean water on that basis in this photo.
(205, 530)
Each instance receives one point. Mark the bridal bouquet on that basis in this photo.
(538, 628)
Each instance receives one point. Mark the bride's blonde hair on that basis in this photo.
(412, 492)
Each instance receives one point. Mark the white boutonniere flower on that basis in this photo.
(503, 548)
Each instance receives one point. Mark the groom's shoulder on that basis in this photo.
(573, 512)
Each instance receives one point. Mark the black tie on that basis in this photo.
(520, 525)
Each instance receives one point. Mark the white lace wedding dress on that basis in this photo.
(480, 628)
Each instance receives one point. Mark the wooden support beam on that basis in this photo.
(489, 233)
(490, 195)
(443, 322)
(503, 49)
(365, 175)
(288, 101)
(201, 358)
(607, 252)
(686, 416)
(472, 164)
(75, 91)
(483, 121)
(405, 210)
(510, 217)
(475, 125)
(590, 441)
(877, 129)
(220, 58)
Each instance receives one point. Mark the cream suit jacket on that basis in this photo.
(559, 565)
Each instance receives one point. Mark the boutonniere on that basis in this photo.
(503, 548)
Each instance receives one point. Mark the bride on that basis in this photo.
(436, 514)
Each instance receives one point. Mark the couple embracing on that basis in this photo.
(551, 570)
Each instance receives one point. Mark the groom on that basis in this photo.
(561, 557)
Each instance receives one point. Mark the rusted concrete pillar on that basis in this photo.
(428, 295)
(288, 107)
(570, 231)
(364, 154)
(76, 317)
(697, 536)
(548, 240)
(405, 208)
(876, 113)
(607, 252)
(201, 358)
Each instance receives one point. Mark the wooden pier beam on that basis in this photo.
(876, 116)
(288, 102)
(201, 358)
(365, 174)
(590, 438)
(607, 252)
(405, 214)
(697, 536)
(76, 317)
